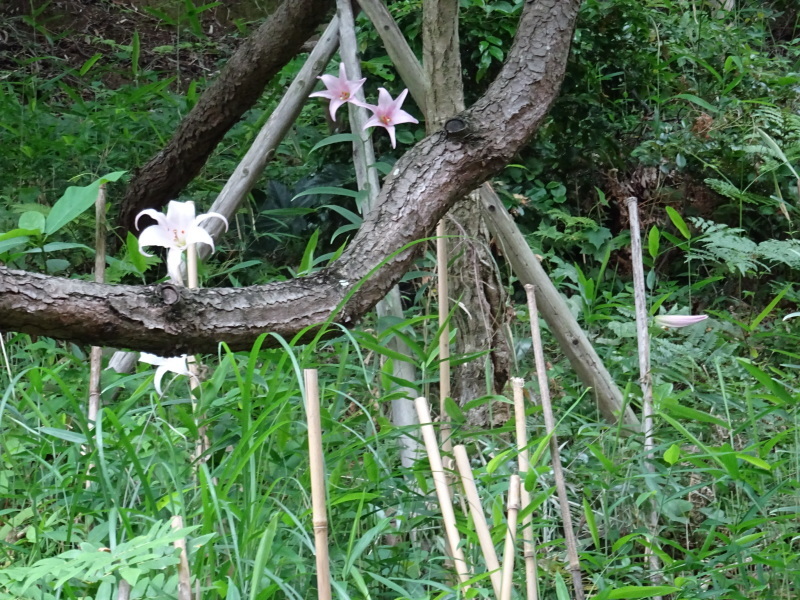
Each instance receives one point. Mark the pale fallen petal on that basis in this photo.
(679, 320)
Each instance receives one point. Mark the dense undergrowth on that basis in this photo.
(691, 110)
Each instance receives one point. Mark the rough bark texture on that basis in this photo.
(479, 316)
(234, 92)
(421, 188)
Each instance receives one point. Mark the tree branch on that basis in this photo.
(233, 93)
(420, 189)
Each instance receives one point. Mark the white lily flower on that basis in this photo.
(174, 231)
(679, 320)
(176, 364)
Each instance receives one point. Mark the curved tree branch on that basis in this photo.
(234, 92)
(422, 186)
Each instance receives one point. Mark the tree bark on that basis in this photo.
(421, 188)
(233, 93)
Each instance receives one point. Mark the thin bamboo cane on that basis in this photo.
(645, 376)
(555, 453)
(317, 467)
(184, 575)
(476, 510)
(96, 356)
(442, 489)
(528, 548)
(509, 552)
(96, 353)
(203, 443)
(443, 285)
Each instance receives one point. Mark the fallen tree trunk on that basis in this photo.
(421, 188)
(233, 93)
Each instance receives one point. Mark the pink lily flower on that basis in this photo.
(679, 320)
(340, 90)
(388, 113)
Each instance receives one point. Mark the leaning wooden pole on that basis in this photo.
(318, 506)
(528, 548)
(442, 490)
(555, 453)
(403, 414)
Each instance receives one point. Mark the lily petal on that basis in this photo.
(155, 235)
(679, 320)
(174, 256)
(152, 213)
(198, 235)
(200, 218)
(176, 364)
(180, 214)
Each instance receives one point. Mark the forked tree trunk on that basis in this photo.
(475, 287)
(422, 186)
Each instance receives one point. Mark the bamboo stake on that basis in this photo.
(509, 551)
(476, 510)
(443, 285)
(317, 467)
(203, 443)
(184, 576)
(555, 453)
(528, 547)
(442, 490)
(96, 356)
(645, 376)
(96, 353)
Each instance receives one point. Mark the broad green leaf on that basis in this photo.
(653, 241)
(6, 245)
(135, 256)
(75, 201)
(679, 223)
(672, 454)
(32, 220)
(754, 460)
